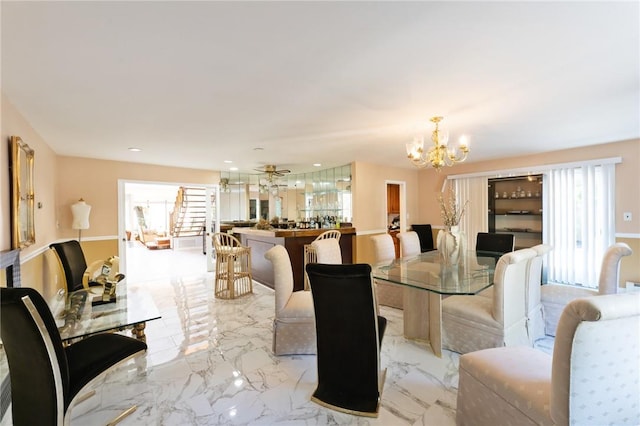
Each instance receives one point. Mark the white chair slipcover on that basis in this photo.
(310, 255)
(471, 323)
(294, 327)
(387, 294)
(409, 243)
(327, 251)
(556, 296)
(591, 379)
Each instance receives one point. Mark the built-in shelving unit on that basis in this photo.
(515, 206)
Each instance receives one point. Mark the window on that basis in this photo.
(578, 214)
(579, 222)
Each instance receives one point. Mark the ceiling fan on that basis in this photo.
(272, 171)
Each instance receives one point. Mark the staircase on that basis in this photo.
(189, 212)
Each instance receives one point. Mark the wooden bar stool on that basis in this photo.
(233, 267)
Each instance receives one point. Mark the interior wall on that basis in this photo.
(627, 188)
(97, 182)
(369, 187)
(45, 173)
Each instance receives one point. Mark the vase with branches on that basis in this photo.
(450, 210)
(450, 242)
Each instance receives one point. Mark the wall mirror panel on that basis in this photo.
(323, 196)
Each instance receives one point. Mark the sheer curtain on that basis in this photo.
(579, 217)
(475, 218)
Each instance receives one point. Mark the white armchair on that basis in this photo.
(556, 296)
(591, 379)
(471, 323)
(294, 327)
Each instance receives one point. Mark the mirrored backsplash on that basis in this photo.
(319, 199)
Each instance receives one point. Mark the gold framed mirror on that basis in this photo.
(23, 232)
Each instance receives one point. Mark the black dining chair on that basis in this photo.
(425, 235)
(73, 263)
(497, 243)
(349, 335)
(76, 271)
(46, 376)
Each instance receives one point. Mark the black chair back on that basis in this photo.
(34, 392)
(46, 376)
(73, 262)
(497, 243)
(349, 334)
(425, 235)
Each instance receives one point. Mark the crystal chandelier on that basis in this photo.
(439, 155)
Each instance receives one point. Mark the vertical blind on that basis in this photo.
(579, 222)
(475, 218)
(578, 216)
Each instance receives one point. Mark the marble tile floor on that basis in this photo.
(210, 363)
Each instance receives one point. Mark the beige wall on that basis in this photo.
(61, 181)
(369, 186)
(45, 173)
(627, 188)
(97, 182)
(627, 178)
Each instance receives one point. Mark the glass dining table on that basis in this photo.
(80, 314)
(427, 279)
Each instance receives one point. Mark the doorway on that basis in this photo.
(395, 212)
(264, 209)
(148, 245)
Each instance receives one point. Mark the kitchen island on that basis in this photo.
(293, 240)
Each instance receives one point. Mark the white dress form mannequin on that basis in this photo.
(80, 212)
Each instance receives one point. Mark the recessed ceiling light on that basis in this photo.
(228, 161)
(233, 169)
(317, 165)
(134, 149)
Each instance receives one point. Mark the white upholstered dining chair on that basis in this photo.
(310, 255)
(534, 309)
(556, 296)
(384, 250)
(471, 323)
(409, 243)
(294, 326)
(327, 251)
(591, 378)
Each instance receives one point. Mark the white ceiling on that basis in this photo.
(196, 83)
